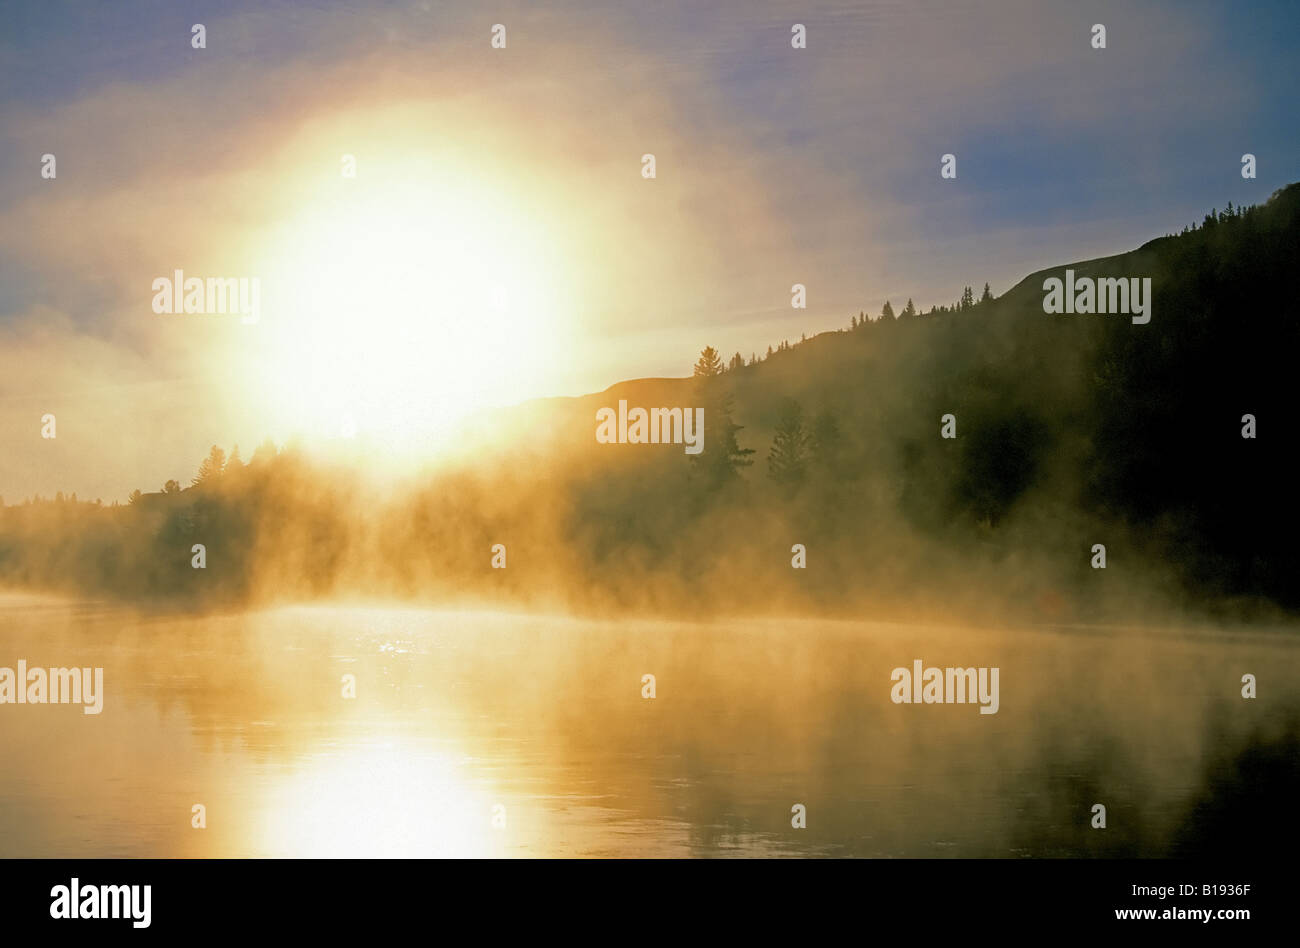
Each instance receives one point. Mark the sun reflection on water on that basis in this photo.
(388, 799)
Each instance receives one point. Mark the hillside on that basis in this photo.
(1071, 430)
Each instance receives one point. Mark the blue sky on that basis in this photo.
(1123, 143)
(777, 165)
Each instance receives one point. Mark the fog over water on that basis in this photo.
(459, 712)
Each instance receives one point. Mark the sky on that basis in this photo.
(499, 240)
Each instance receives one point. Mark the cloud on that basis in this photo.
(775, 165)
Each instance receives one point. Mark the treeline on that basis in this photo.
(1067, 433)
(887, 316)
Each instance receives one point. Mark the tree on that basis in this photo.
(769, 352)
(265, 453)
(967, 298)
(723, 457)
(887, 314)
(825, 442)
(211, 467)
(709, 364)
(135, 496)
(234, 463)
(987, 295)
(737, 362)
(910, 309)
(172, 487)
(787, 460)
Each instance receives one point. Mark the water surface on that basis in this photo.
(459, 714)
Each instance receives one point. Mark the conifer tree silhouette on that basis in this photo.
(787, 460)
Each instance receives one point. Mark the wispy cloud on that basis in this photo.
(775, 165)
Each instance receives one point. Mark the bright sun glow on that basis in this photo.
(395, 309)
(391, 800)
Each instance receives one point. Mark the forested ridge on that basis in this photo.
(1070, 431)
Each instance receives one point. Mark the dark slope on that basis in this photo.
(1071, 431)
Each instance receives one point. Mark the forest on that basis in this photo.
(1068, 431)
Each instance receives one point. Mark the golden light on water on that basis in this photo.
(391, 799)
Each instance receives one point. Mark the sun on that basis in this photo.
(394, 309)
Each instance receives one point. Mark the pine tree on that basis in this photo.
(212, 466)
(910, 309)
(723, 457)
(709, 364)
(887, 314)
(265, 453)
(987, 295)
(787, 460)
(825, 442)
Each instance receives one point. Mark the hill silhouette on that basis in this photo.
(1070, 431)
